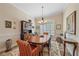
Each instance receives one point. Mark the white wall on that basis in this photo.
(67, 11)
(11, 13)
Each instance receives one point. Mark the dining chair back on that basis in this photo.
(24, 48)
(45, 33)
(27, 36)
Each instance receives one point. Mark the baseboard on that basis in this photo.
(4, 49)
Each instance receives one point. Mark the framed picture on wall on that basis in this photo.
(14, 25)
(58, 26)
(71, 23)
(8, 24)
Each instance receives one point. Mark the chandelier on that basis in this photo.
(42, 21)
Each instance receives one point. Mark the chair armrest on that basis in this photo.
(35, 51)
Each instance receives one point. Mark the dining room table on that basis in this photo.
(40, 40)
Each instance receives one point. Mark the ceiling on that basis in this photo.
(35, 10)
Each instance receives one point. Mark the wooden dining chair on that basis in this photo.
(60, 42)
(26, 50)
(45, 34)
(27, 36)
(48, 44)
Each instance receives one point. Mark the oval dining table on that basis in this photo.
(37, 40)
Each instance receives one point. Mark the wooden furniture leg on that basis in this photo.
(49, 50)
(42, 50)
(74, 50)
(64, 48)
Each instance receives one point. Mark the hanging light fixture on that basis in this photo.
(42, 21)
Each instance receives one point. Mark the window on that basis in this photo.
(48, 27)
